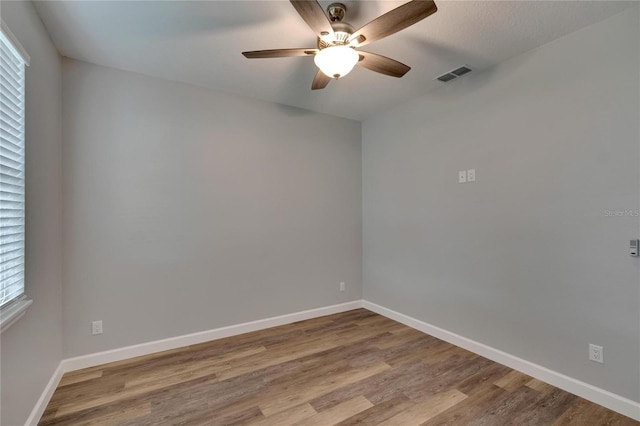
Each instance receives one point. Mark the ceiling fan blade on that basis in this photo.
(320, 81)
(279, 53)
(313, 15)
(382, 64)
(393, 21)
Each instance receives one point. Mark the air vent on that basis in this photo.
(448, 76)
(461, 71)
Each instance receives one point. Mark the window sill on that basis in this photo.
(12, 313)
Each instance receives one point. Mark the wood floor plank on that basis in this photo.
(289, 417)
(80, 391)
(512, 381)
(483, 379)
(71, 379)
(423, 411)
(308, 368)
(202, 365)
(399, 337)
(548, 407)
(509, 407)
(471, 408)
(100, 414)
(540, 386)
(587, 413)
(132, 391)
(338, 413)
(231, 401)
(238, 367)
(288, 381)
(321, 387)
(427, 349)
(351, 368)
(388, 384)
(379, 412)
(446, 375)
(119, 417)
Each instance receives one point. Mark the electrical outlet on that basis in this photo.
(342, 286)
(471, 175)
(96, 327)
(596, 353)
(462, 176)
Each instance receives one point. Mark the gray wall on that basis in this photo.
(525, 259)
(32, 347)
(187, 209)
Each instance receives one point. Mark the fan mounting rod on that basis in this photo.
(336, 12)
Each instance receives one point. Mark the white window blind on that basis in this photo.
(12, 184)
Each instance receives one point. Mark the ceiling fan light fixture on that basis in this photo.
(336, 61)
(337, 40)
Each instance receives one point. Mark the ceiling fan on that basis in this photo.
(337, 53)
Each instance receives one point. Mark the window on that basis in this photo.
(12, 183)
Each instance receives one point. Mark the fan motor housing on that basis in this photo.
(341, 30)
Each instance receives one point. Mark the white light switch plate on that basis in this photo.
(462, 176)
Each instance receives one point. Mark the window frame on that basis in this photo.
(16, 307)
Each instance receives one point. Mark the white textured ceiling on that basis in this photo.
(200, 42)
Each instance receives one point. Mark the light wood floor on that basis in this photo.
(351, 368)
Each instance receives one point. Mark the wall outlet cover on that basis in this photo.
(596, 353)
(471, 175)
(462, 176)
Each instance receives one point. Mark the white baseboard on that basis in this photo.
(592, 393)
(91, 360)
(46, 395)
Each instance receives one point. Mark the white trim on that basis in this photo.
(119, 354)
(16, 44)
(13, 312)
(43, 401)
(592, 393)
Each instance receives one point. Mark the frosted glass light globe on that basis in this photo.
(336, 61)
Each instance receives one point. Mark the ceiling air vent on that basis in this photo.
(448, 76)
